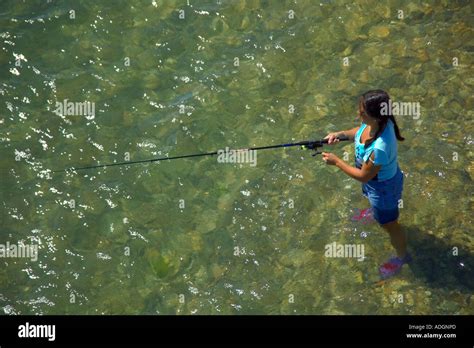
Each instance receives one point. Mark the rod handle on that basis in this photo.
(341, 138)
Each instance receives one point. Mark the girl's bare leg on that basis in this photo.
(398, 237)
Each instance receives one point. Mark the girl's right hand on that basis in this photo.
(332, 138)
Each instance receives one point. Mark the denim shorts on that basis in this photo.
(384, 197)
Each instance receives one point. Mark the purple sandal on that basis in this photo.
(364, 216)
(393, 266)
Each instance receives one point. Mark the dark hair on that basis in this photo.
(372, 101)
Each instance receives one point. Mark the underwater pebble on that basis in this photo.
(380, 31)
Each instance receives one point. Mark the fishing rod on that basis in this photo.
(309, 144)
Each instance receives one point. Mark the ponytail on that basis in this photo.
(397, 130)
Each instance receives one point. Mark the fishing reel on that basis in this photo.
(313, 145)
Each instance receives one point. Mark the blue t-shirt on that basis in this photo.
(384, 149)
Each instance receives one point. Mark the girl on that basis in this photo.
(377, 168)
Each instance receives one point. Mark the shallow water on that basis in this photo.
(248, 240)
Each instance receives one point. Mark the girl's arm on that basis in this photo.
(350, 133)
(366, 173)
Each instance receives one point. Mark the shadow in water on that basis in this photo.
(433, 260)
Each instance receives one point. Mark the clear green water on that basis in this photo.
(190, 251)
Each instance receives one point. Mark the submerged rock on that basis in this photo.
(157, 262)
(380, 31)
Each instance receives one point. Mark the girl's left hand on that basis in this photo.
(330, 158)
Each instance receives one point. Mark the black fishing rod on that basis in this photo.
(309, 144)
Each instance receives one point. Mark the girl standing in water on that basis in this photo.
(376, 166)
